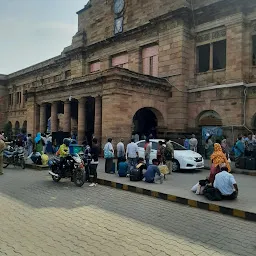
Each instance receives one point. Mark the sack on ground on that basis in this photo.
(163, 169)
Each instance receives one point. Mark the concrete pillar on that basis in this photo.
(54, 117)
(43, 123)
(67, 116)
(81, 120)
(98, 119)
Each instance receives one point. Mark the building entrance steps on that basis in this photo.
(177, 188)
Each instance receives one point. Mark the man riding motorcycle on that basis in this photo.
(63, 153)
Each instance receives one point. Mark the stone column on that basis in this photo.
(81, 120)
(43, 118)
(67, 116)
(211, 58)
(98, 119)
(54, 117)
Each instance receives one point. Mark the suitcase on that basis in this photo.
(250, 163)
(135, 175)
(242, 162)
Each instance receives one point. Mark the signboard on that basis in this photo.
(215, 131)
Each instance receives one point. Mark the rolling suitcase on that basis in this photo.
(135, 175)
(242, 163)
(250, 163)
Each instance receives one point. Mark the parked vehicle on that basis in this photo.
(15, 156)
(72, 167)
(183, 158)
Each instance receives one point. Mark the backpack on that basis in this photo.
(135, 175)
(212, 194)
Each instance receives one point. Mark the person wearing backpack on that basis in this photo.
(169, 154)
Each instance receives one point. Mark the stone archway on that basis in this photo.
(146, 121)
(209, 118)
(17, 128)
(24, 127)
(254, 122)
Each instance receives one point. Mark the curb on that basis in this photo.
(250, 173)
(37, 167)
(190, 202)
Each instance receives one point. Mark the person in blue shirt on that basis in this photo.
(150, 175)
(122, 167)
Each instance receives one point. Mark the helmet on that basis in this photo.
(66, 142)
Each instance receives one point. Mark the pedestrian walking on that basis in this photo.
(2, 147)
(160, 152)
(29, 144)
(120, 151)
(109, 156)
(132, 154)
(208, 147)
(169, 155)
(186, 143)
(147, 149)
(193, 143)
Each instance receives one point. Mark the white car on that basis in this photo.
(183, 158)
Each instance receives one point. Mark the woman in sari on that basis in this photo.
(39, 143)
(219, 160)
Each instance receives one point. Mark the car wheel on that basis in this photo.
(175, 166)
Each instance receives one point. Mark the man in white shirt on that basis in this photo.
(226, 184)
(132, 153)
(120, 152)
(193, 143)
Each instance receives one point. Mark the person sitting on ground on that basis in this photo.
(122, 167)
(35, 157)
(141, 166)
(152, 170)
(226, 184)
(218, 159)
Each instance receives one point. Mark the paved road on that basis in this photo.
(39, 217)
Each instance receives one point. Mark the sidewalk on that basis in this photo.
(177, 188)
(207, 165)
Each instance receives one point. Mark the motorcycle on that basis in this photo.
(72, 167)
(15, 156)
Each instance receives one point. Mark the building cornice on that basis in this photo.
(116, 74)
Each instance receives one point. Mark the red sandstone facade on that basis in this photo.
(191, 63)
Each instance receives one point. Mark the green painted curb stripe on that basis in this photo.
(193, 203)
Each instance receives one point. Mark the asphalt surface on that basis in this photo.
(40, 217)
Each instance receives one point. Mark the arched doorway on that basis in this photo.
(24, 127)
(146, 121)
(17, 128)
(8, 129)
(209, 118)
(254, 122)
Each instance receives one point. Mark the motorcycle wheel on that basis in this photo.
(79, 178)
(54, 178)
(23, 164)
(5, 162)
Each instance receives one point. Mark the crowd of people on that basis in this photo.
(130, 164)
(220, 184)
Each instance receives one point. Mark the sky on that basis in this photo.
(32, 31)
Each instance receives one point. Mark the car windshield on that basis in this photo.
(177, 146)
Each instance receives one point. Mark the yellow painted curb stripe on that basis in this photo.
(214, 208)
(238, 213)
(192, 203)
(154, 193)
(171, 198)
(113, 184)
(125, 187)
